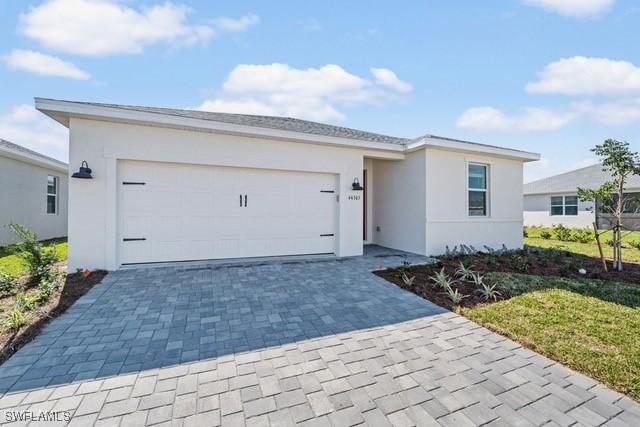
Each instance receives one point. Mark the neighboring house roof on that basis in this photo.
(18, 152)
(266, 126)
(587, 177)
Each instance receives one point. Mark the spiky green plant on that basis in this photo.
(16, 319)
(489, 292)
(455, 296)
(463, 272)
(477, 279)
(442, 279)
(408, 280)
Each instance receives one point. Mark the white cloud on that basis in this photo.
(311, 93)
(26, 126)
(532, 119)
(388, 78)
(580, 75)
(577, 8)
(240, 24)
(46, 65)
(107, 27)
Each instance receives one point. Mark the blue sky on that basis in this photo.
(550, 76)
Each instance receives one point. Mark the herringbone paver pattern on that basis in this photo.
(322, 343)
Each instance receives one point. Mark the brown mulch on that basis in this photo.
(75, 286)
(539, 262)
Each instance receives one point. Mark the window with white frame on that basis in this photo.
(478, 193)
(52, 194)
(564, 205)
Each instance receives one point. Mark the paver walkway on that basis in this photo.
(313, 343)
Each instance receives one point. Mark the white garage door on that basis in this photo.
(172, 212)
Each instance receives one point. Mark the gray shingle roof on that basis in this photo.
(270, 122)
(588, 177)
(60, 110)
(23, 150)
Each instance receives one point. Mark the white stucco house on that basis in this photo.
(554, 200)
(177, 185)
(33, 192)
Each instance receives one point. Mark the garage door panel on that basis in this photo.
(134, 226)
(190, 212)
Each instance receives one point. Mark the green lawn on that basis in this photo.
(589, 325)
(12, 264)
(629, 253)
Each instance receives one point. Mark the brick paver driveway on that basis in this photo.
(318, 343)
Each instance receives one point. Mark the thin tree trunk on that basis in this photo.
(619, 210)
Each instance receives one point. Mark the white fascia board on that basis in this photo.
(470, 147)
(572, 191)
(33, 160)
(62, 110)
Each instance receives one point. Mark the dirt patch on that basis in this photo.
(534, 261)
(75, 285)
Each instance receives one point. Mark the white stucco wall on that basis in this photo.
(537, 212)
(93, 203)
(23, 200)
(399, 205)
(447, 220)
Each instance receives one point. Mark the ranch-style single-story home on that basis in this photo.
(33, 192)
(178, 185)
(554, 200)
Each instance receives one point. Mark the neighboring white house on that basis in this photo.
(33, 192)
(554, 200)
(176, 185)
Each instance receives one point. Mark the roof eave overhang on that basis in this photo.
(468, 147)
(33, 160)
(62, 111)
(574, 190)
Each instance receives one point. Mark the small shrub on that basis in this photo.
(489, 292)
(404, 268)
(582, 235)
(16, 319)
(609, 242)
(26, 302)
(492, 261)
(545, 234)
(525, 233)
(635, 244)
(40, 260)
(455, 296)
(562, 233)
(463, 272)
(442, 280)
(7, 283)
(569, 266)
(46, 288)
(520, 263)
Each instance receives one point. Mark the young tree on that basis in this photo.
(621, 163)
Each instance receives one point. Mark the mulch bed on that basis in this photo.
(75, 286)
(534, 261)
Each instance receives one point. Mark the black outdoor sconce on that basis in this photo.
(84, 172)
(356, 185)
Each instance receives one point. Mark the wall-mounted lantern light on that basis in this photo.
(356, 185)
(84, 172)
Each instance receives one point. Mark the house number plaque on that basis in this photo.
(354, 197)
